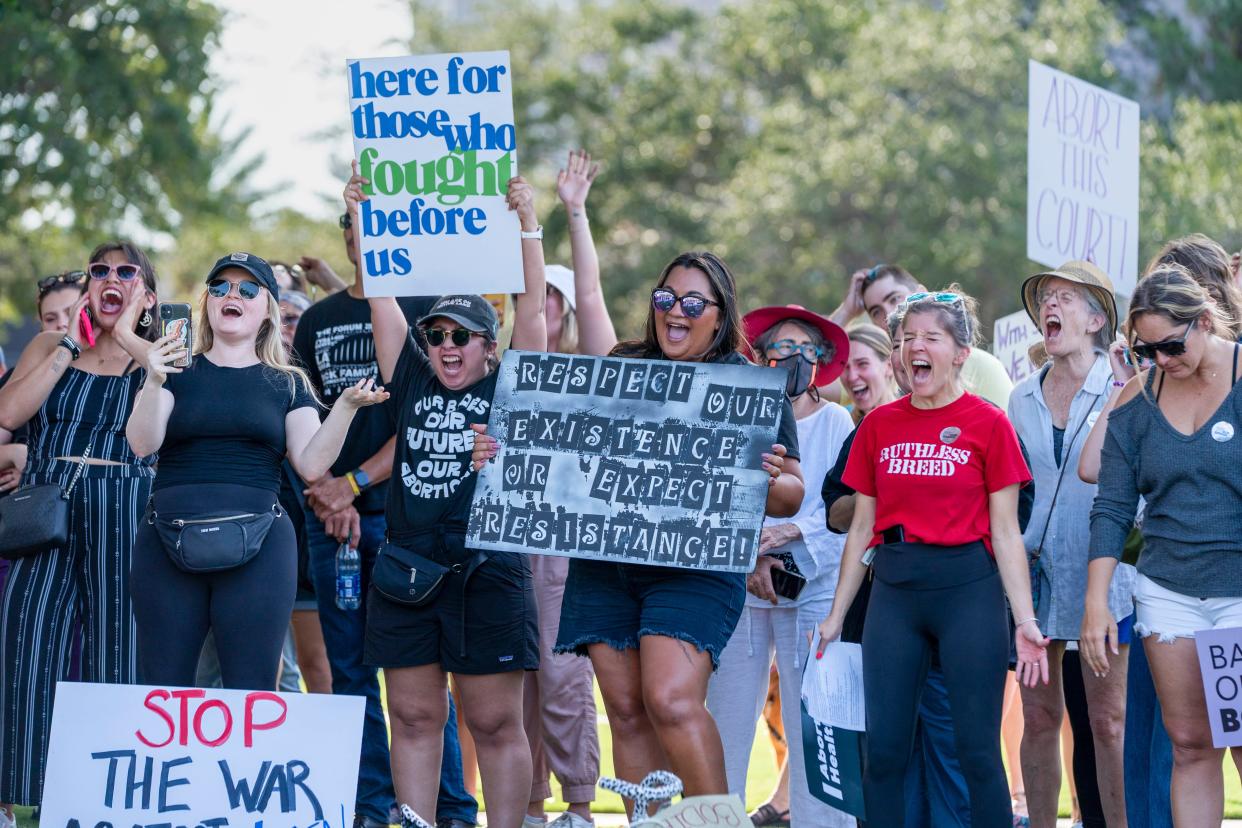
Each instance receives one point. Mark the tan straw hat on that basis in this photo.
(1080, 273)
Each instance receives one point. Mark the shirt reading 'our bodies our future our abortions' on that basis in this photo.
(228, 424)
(931, 470)
(334, 339)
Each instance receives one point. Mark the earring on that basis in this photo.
(145, 320)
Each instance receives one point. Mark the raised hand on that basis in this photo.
(319, 273)
(773, 463)
(485, 446)
(365, 392)
(521, 198)
(159, 360)
(353, 191)
(574, 182)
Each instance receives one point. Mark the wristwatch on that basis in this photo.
(69, 345)
(537, 233)
(361, 479)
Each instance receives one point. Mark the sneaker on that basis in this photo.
(528, 821)
(409, 819)
(571, 820)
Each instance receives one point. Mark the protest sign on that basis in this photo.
(628, 460)
(1012, 338)
(129, 755)
(434, 136)
(832, 760)
(1082, 184)
(1220, 663)
(700, 812)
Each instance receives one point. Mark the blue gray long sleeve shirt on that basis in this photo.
(1192, 529)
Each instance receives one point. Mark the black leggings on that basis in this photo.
(950, 596)
(247, 608)
(1083, 762)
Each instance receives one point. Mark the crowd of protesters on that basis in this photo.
(1074, 531)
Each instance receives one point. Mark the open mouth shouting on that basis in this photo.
(1052, 328)
(232, 310)
(111, 301)
(676, 331)
(452, 365)
(920, 370)
(861, 393)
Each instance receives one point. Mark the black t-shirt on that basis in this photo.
(228, 425)
(333, 339)
(433, 478)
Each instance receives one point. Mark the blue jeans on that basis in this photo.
(936, 794)
(1148, 751)
(343, 635)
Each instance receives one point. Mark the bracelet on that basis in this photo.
(537, 233)
(69, 345)
(1027, 621)
(353, 484)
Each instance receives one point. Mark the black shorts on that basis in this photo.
(501, 623)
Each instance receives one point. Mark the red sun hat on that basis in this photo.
(830, 365)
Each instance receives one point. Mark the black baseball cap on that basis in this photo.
(474, 313)
(256, 266)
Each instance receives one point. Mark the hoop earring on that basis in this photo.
(145, 320)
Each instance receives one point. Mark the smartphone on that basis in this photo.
(88, 330)
(787, 584)
(175, 321)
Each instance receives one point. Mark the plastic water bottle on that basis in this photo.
(348, 578)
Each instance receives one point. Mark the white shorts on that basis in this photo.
(1170, 615)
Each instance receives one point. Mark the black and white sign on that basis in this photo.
(639, 461)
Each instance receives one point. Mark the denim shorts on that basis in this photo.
(1170, 615)
(619, 603)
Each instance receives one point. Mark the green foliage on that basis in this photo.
(803, 139)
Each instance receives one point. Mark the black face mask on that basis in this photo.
(801, 374)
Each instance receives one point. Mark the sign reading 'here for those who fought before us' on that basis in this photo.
(639, 461)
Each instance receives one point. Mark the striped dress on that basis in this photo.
(87, 580)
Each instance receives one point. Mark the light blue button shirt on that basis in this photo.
(1066, 533)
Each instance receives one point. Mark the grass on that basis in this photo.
(760, 781)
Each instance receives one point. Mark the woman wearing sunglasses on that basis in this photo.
(937, 475)
(221, 463)
(655, 634)
(1052, 412)
(1174, 441)
(481, 625)
(74, 390)
(775, 623)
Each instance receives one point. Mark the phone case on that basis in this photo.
(175, 321)
(787, 584)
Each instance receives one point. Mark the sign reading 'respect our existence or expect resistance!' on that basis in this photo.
(433, 134)
(638, 461)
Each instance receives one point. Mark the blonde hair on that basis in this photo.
(268, 346)
(1169, 290)
(569, 329)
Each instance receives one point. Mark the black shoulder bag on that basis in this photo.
(35, 519)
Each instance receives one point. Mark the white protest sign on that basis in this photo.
(434, 136)
(1220, 663)
(1012, 338)
(700, 812)
(130, 755)
(1082, 175)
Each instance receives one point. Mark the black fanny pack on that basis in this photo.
(213, 542)
(405, 576)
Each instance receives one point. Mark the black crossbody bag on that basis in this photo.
(35, 519)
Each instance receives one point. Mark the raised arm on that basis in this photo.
(530, 329)
(1089, 458)
(596, 334)
(311, 446)
(148, 422)
(388, 325)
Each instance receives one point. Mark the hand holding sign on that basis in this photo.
(485, 446)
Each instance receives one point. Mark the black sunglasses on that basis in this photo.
(460, 336)
(346, 221)
(692, 305)
(1169, 347)
(219, 288)
(49, 283)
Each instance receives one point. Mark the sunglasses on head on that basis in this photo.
(874, 273)
(1169, 347)
(692, 305)
(944, 297)
(49, 283)
(220, 288)
(102, 270)
(460, 336)
(346, 221)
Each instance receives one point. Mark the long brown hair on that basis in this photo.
(1208, 263)
(134, 255)
(730, 337)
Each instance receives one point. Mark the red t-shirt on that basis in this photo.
(931, 470)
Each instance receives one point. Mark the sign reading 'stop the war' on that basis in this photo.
(640, 461)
